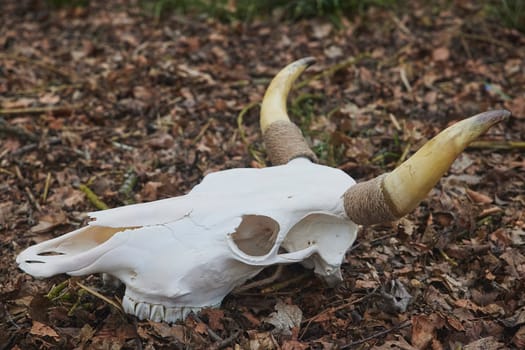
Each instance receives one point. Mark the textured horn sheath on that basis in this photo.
(282, 138)
(393, 195)
(284, 141)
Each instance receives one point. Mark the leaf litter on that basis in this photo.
(90, 95)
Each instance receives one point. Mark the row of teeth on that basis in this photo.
(156, 312)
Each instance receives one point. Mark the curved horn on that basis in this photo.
(282, 138)
(393, 195)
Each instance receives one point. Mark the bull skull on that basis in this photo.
(181, 254)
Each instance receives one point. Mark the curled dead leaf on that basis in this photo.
(478, 197)
(43, 330)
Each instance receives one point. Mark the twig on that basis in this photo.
(36, 110)
(404, 79)
(240, 120)
(28, 192)
(340, 307)
(487, 40)
(278, 286)
(54, 88)
(5, 127)
(261, 282)
(335, 309)
(202, 131)
(70, 76)
(211, 333)
(332, 70)
(372, 242)
(100, 296)
(221, 344)
(32, 198)
(404, 154)
(498, 144)
(46, 187)
(93, 198)
(448, 258)
(376, 335)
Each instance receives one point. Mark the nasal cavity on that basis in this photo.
(256, 234)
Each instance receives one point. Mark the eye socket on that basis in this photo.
(256, 235)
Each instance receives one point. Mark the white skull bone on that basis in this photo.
(181, 254)
(188, 252)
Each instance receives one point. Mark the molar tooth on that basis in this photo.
(172, 314)
(157, 313)
(128, 304)
(142, 310)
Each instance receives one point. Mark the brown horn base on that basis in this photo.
(285, 132)
(366, 203)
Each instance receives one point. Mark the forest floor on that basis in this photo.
(135, 109)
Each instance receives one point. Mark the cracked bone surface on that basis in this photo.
(181, 254)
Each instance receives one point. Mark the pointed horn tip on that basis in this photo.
(303, 63)
(307, 61)
(492, 117)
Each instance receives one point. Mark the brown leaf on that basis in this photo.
(477, 197)
(149, 192)
(440, 54)
(214, 318)
(294, 345)
(519, 338)
(201, 328)
(42, 330)
(424, 329)
(49, 221)
(401, 344)
(49, 99)
(168, 331)
(455, 323)
(488, 343)
(501, 237)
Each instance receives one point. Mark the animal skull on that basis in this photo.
(181, 254)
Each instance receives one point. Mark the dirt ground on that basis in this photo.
(104, 96)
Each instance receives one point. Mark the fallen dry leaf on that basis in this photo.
(285, 318)
(40, 329)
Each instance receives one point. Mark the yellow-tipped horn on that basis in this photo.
(273, 107)
(283, 139)
(391, 196)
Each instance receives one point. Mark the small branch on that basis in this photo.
(223, 343)
(100, 296)
(46, 187)
(211, 333)
(260, 283)
(278, 286)
(240, 120)
(202, 131)
(27, 190)
(498, 144)
(6, 128)
(487, 40)
(46, 66)
(377, 335)
(93, 198)
(332, 70)
(340, 307)
(36, 110)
